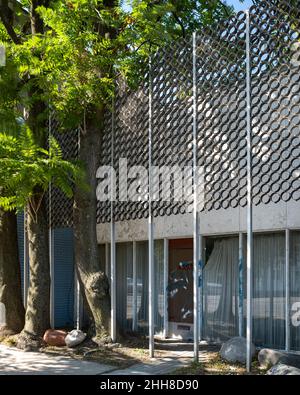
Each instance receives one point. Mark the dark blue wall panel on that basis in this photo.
(63, 272)
(63, 277)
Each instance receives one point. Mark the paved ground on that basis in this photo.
(157, 366)
(183, 356)
(14, 361)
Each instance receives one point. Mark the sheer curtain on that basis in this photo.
(220, 291)
(143, 288)
(295, 290)
(124, 283)
(269, 290)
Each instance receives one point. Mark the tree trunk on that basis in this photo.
(94, 282)
(37, 317)
(10, 275)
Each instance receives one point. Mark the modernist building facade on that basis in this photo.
(227, 100)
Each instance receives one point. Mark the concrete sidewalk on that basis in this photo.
(18, 362)
(14, 361)
(157, 366)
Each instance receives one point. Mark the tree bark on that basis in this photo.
(94, 283)
(37, 318)
(10, 275)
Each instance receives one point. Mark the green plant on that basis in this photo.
(27, 168)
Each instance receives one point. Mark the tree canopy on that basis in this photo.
(71, 62)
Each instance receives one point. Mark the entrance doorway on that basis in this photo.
(180, 288)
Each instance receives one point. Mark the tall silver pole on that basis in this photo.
(195, 209)
(107, 259)
(200, 285)
(134, 286)
(287, 291)
(78, 295)
(78, 303)
(51, 238)
(150, 228)
(241, 287)
(249, 200)
(166, 277)
(113, 290)
(51, 262)
(26, 263)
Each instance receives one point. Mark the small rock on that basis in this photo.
(74, 338)
(54, 337)
(234, 350)
(268, 358)
(283, 370)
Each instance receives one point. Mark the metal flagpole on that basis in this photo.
(113, 283)
(166, 276)
(51, 261)
(249, 199)
(241, 290)
(78, 304)
(195, 211)
(51, 239)
(134, 285)
(287, 291)
(113, 290)
(150, 228)
(200, 285)
(78, 295)
(25, 259)
(107, 259)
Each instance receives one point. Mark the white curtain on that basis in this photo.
(269, 290)
(124, 272)
(124, 283)
(142, 285)
(295, 291)
(220, 291)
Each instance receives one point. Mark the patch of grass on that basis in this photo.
(215, 365)
(193, 369)
(9, 341)
(121, 355)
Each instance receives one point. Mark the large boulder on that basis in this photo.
(234, 350)
(283, 370)
(268, 358)
(54, 337)
(74, 338)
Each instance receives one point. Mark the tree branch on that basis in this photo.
(37, 25)
(225, 8)
(6, 16)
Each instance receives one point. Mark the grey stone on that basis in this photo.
(74, 338)
(283, 370)
(268, 358)
(234, 350)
